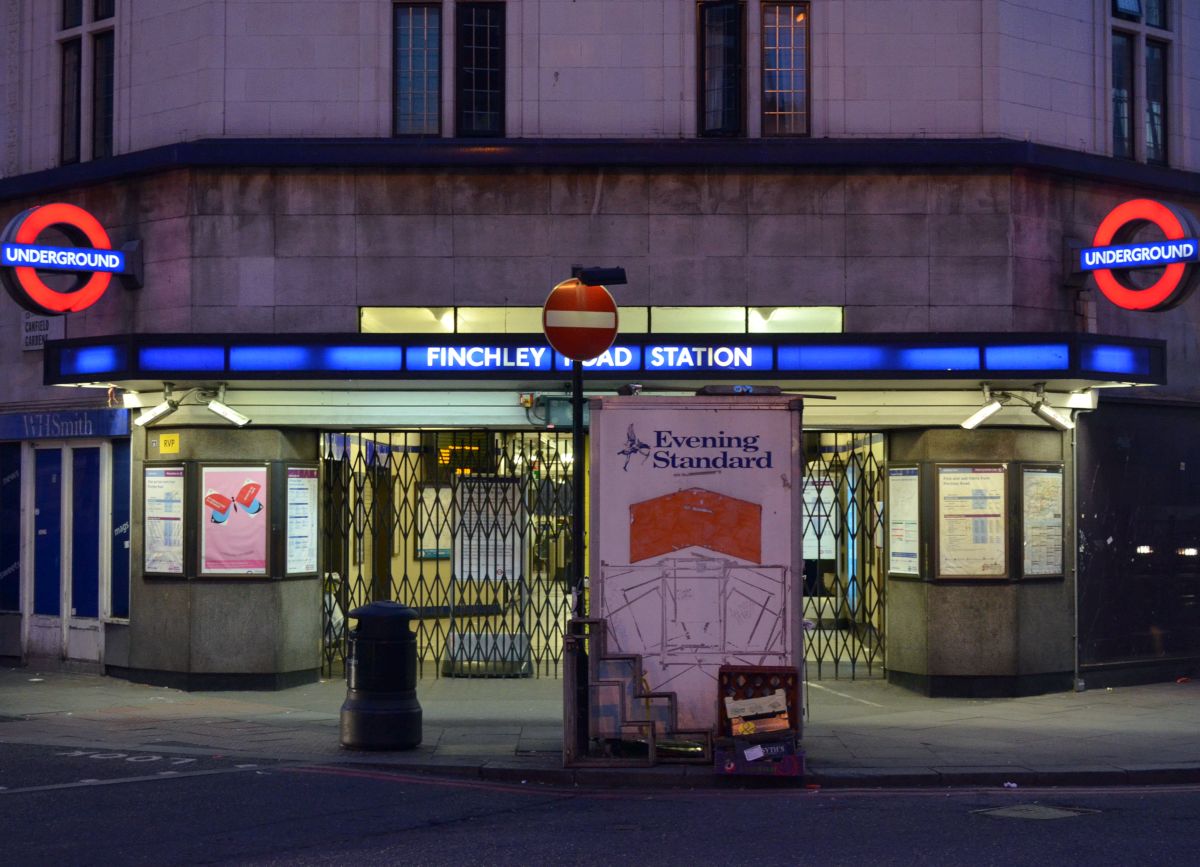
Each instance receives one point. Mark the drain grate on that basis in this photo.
(1034, 811)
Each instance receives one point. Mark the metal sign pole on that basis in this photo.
(578, 478)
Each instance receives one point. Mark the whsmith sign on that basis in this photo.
(1112, 258)
(64, 424)
(93, 260)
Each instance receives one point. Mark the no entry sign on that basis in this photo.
(580, 321)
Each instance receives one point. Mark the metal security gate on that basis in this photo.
(843, 554)
(471, 528)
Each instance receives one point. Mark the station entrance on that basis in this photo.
(471, 527)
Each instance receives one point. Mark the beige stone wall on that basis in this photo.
(301, 251)
(190, 69)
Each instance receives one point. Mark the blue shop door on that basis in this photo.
(46, 636)
(70, 561)
(84, 634)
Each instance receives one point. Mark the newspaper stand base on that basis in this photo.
(774, 755)
(761, 753)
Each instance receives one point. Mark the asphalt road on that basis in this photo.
(65, 807)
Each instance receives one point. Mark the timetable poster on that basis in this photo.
(903, 520)
(233, 521)
(163, 523)
(301, 520)
(971, 522)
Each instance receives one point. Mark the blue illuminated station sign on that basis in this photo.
(636, 358)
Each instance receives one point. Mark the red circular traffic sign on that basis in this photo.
(1118, 227)
(580, 321)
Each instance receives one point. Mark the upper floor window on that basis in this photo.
(479, 65)
(722, 74)
(784, 68)
(87, 64)
(1122, 95)
(1151, 12)
(1141, 79)
(417, 69)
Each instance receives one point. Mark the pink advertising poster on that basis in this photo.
(233, 521)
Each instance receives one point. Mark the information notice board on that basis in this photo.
(972, 521)
(903, 517)
(162, 524)
(1042, 528)
(302, 508)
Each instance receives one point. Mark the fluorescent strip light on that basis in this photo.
(982, 414)
(1053, 416)
(156, 412)
(228, 413)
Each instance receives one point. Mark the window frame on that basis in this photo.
(1144, 39)
(1163, 156)
(1129, 151)
(738, 128)
(807, 131)
(461, 104)
(70, 95)
(103, 114)
(438, 118)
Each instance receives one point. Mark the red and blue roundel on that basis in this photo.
(93, 260)
(1111, 257)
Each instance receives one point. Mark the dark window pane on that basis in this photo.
(480, 62)
(69, 119)
(1156, 102)
(1127, 9)
(1122, 95)
(72, 13)
(102, 95)
(721, 70)
(785, 69)
(103, 9)
(416, 88)
(1156, 13)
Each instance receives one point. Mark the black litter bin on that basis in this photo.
(381, 711)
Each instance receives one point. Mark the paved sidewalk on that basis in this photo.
(859, 733)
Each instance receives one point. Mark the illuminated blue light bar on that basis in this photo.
(171, 358)
(939, 358)
(1030, 356)
(615, 358)
(1109, 358)
(832, 358)
(62, 258)
(1150, 255)
(272, 358)
(930, 359)
(351, 358)
(478, 357)
(92, 359)
(708, 358)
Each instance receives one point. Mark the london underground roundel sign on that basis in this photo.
(93, 260)
(1111, 257)
(580, 321)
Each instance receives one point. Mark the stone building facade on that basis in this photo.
(944, 156)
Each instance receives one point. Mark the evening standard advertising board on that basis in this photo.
(695, 555)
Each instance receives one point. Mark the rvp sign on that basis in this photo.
(1112, 257)
(93, 260)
